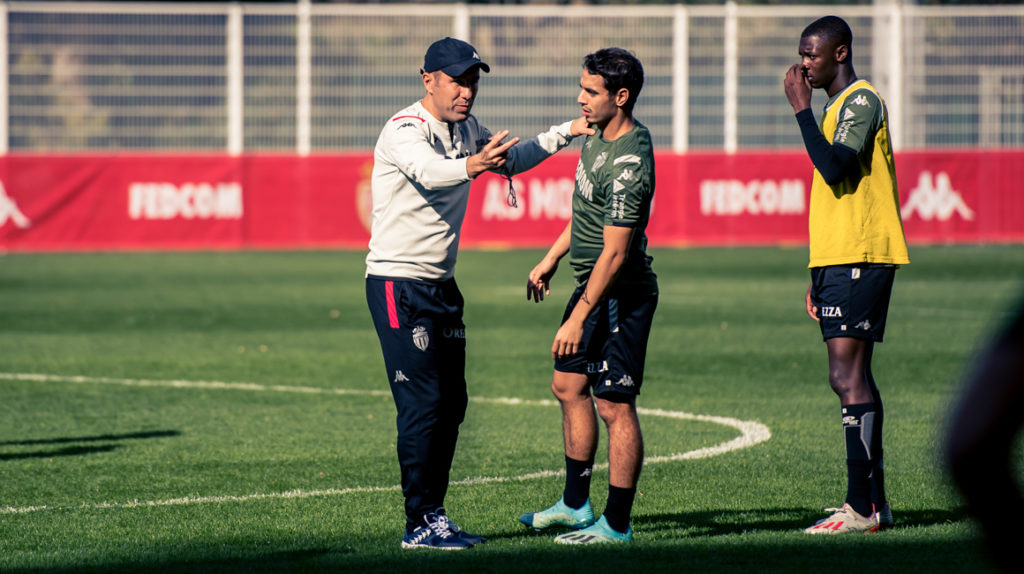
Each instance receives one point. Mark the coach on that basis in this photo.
(425, 158)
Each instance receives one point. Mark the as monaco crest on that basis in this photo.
(420, 338)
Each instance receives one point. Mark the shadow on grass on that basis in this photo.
(683, 542)
(68, 451)
(96, 438)
(79, 450)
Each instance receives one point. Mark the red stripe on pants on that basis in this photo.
(389, 293)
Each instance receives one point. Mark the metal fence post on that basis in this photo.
(235, 79)
(303, 78)
(731, 80)
(680, 79)
(5, 117)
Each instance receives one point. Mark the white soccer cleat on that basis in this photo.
(843, 521)
(884, 518)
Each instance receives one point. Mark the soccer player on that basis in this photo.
(600, 348)
(856, 244)
(425, 159)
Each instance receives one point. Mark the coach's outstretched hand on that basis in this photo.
(581, 127)
(492, 156)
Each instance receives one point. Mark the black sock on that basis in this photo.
(577, 482)
(858, 422)
(619, 507)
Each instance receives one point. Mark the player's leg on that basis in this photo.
(571, 386)
(853, 302)
(579, 433)
(848, 378)
(877, 476)
(615, 393)
(625, 458)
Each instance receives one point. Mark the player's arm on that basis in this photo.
(538, 284)
(835, 162)
(616, 248)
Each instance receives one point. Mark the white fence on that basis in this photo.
(302, 78)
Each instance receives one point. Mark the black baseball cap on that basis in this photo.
(452, 57)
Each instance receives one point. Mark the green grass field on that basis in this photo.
(125, 454)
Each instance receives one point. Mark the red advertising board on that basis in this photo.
(218, 202)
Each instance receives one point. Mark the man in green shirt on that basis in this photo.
(600, 348)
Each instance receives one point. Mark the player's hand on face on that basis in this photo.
(797, 87)
(581, 127)
(812, 310)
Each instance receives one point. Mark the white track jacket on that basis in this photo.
(420, 189)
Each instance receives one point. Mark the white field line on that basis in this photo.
(751, 433)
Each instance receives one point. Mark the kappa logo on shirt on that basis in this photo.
(860, 100)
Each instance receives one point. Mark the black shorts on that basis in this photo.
(614, 345)
(852, 300)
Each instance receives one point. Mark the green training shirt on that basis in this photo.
(614, 186)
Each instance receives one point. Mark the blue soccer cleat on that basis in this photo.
(560, 515)
(597, 533)
(471, 538)
(436, 535)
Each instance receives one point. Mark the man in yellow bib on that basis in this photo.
(856, 244)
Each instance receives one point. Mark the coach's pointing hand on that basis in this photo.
(492, 156)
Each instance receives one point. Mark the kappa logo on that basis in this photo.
(860, 100)
(936, 199)
(9, 210)
(420, 338)
(864, 325)
(400, 377)
(625, 381)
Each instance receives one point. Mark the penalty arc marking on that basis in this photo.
(751, 433)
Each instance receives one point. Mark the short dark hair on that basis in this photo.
(832, 29)
(620, 69)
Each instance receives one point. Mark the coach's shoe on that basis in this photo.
(471, 538)
(436, 534)
(883, 517)
(598, 533)
(561, 515)
(843, 520)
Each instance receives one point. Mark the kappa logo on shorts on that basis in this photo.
(420, 338)
(400, 377)
(864, 325)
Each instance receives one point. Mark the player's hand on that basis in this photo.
(567, 340)
(538, 284)
(798, 88)
(581, 127)
(492, 156)
(811, 309)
